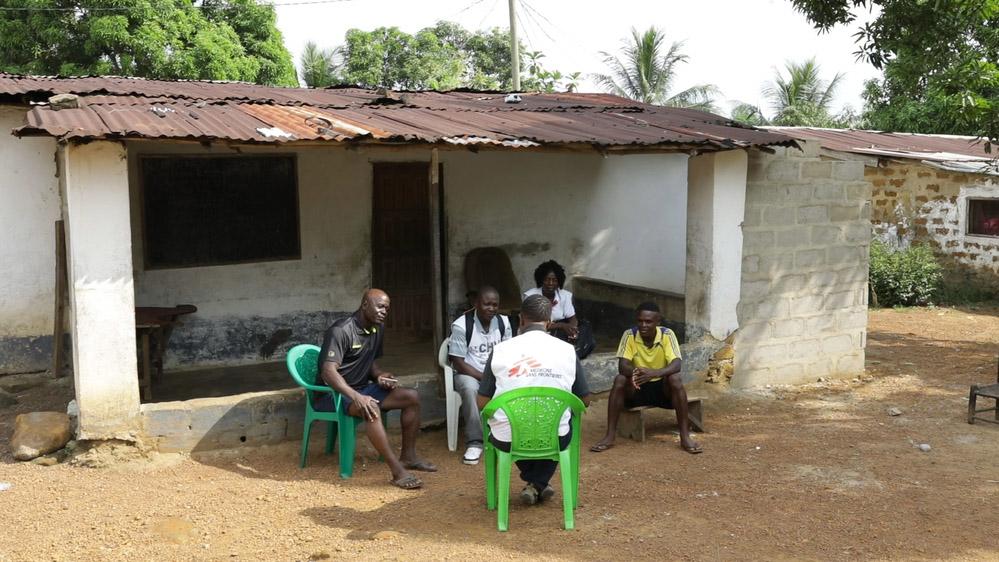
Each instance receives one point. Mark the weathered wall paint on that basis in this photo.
(243, 307)
(617, 218)
(29, 206)
(913, 202)
(716, 206)
(581, 210)
(94, 183)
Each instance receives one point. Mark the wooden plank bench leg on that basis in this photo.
(972, 398)
(631, 425)
(695, 414)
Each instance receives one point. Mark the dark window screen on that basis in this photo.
(210, 211)
(983, 217)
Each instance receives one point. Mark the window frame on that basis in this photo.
(147, 266)
(969, 218)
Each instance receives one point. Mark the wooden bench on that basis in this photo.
(631, 424)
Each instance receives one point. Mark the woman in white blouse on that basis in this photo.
(550, 277)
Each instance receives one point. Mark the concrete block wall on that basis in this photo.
(806, 236)
(913, 202)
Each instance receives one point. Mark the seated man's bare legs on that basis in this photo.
(408, 401)
(678, 396)
(619, 395)
(379, 439)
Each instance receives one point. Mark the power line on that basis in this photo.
(489, 13)
(535, 20)
(538, 13)
(526, 33)
(126, 8)
(466, 8)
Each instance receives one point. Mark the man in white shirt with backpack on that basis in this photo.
(473, 336)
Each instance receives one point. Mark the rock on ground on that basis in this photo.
(39, 433)
(7, 399)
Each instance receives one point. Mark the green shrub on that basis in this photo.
(909, 277)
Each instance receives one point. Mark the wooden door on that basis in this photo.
(401, 245)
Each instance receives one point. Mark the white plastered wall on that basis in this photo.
(95, 187)
(617, 218)
(29, 206)
(334, 190)
(717, 205)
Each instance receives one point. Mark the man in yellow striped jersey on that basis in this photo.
(648, 367)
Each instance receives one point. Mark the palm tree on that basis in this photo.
(802, 98)
(749, 114)
(646, 72)
(318, 66)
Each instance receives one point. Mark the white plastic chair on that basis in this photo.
(451, 397)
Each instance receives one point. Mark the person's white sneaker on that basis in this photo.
(472, 454)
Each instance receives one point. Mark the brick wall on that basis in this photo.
(803, 308)
(913, 202)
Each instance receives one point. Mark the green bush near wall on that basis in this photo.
(909, 277)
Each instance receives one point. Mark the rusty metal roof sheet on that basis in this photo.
(936, 148)
(155, 109)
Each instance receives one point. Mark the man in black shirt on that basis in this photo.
(347, 364)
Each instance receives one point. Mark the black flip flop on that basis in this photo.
(423, 466)
(408, 482)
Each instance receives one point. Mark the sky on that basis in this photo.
(734, 44)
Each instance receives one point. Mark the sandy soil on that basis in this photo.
(813, 473)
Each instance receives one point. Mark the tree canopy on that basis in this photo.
(165, 39)
(646, 72)
(443, 57)
(799, 97)
(939, 59)
(802, 98)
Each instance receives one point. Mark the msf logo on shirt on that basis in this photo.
(483, 349)
(523, 367)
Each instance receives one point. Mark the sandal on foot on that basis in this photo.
(601, 447)
(695, 450)
(408, 482)
(529, 495)
(423, 466)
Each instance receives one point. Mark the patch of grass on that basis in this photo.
(909, 277)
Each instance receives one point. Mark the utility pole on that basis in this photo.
(514, 47)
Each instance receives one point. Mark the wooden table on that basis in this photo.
(153, 324)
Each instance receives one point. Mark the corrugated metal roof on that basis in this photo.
(137, 108)
(938, 148)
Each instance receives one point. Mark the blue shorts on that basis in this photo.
(325, 402)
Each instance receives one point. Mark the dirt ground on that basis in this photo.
(820, 472)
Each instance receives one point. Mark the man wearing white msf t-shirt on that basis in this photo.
(532, 359)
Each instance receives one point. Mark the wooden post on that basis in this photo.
(60, 299)
(435, 259)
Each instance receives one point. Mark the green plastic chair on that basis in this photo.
(303, 364)
(534, 415)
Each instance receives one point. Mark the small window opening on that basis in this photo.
(983, 217)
